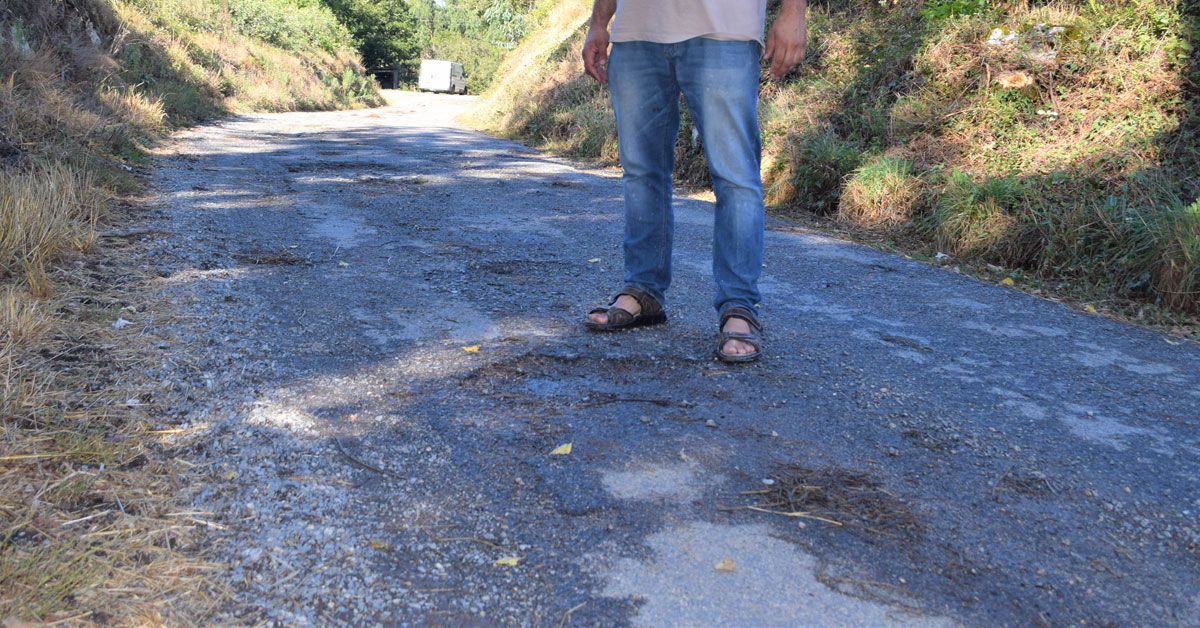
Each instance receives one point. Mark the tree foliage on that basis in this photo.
(385, 30)
(476, 33)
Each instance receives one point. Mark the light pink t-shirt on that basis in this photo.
(671, 21)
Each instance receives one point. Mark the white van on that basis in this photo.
(442, 76)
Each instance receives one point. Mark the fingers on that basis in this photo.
(786, 57)
(600, 66)
(769, 52)
(589, 62)
(595, 61)
(781, 65)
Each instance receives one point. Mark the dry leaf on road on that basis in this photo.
(562, 450)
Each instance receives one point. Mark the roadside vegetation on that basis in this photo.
(1056, 145)
(477, 33)
(90, 530)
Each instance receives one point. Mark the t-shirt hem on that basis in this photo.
(659, 38)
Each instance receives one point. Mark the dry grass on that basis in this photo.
(44, 210)
(90, 526)
(838, 497)
(91, 529)
(22, 317)
(568, 113)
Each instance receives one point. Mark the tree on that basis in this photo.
(385, 30)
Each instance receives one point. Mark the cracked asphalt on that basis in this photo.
(377, 331)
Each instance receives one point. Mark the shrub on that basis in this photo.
(1175, 274)
(289, 24)
(810, 171)
(881, 192)
(976, 217)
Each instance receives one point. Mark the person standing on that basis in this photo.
(708, 51)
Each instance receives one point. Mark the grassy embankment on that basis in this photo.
(89, 526)
(1056, 145)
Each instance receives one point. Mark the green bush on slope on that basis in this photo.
(1089, 109)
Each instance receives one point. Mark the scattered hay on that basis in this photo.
(1030, 483)
(281, 257)
(91, 528)
(836, 496)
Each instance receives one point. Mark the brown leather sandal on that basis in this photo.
(618, 319)
(753, 337)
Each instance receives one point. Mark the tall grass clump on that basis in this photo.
(977, 217)
(810, 172)
(883, 192)
(1175, 275)
(44, 210)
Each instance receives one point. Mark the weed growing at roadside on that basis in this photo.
(977, 217)
(45, 210)
(882, 192)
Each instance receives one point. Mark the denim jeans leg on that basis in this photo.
(719, 79)
(645, 99)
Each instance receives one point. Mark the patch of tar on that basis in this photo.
(344, 231)
(1096, 356)
(678, 482)
(704, 574)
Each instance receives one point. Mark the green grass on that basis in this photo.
(977, 217)
(1067, 147)
(882, 192)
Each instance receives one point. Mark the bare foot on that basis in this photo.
(734, 346)
(625, 302)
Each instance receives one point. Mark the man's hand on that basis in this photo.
(787, 42)
(595, 53)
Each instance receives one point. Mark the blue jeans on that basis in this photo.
(719, 79)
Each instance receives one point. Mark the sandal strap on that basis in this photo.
(650, 306)
(619, 316)
(742, 313)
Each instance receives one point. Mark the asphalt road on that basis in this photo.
(378, 329)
